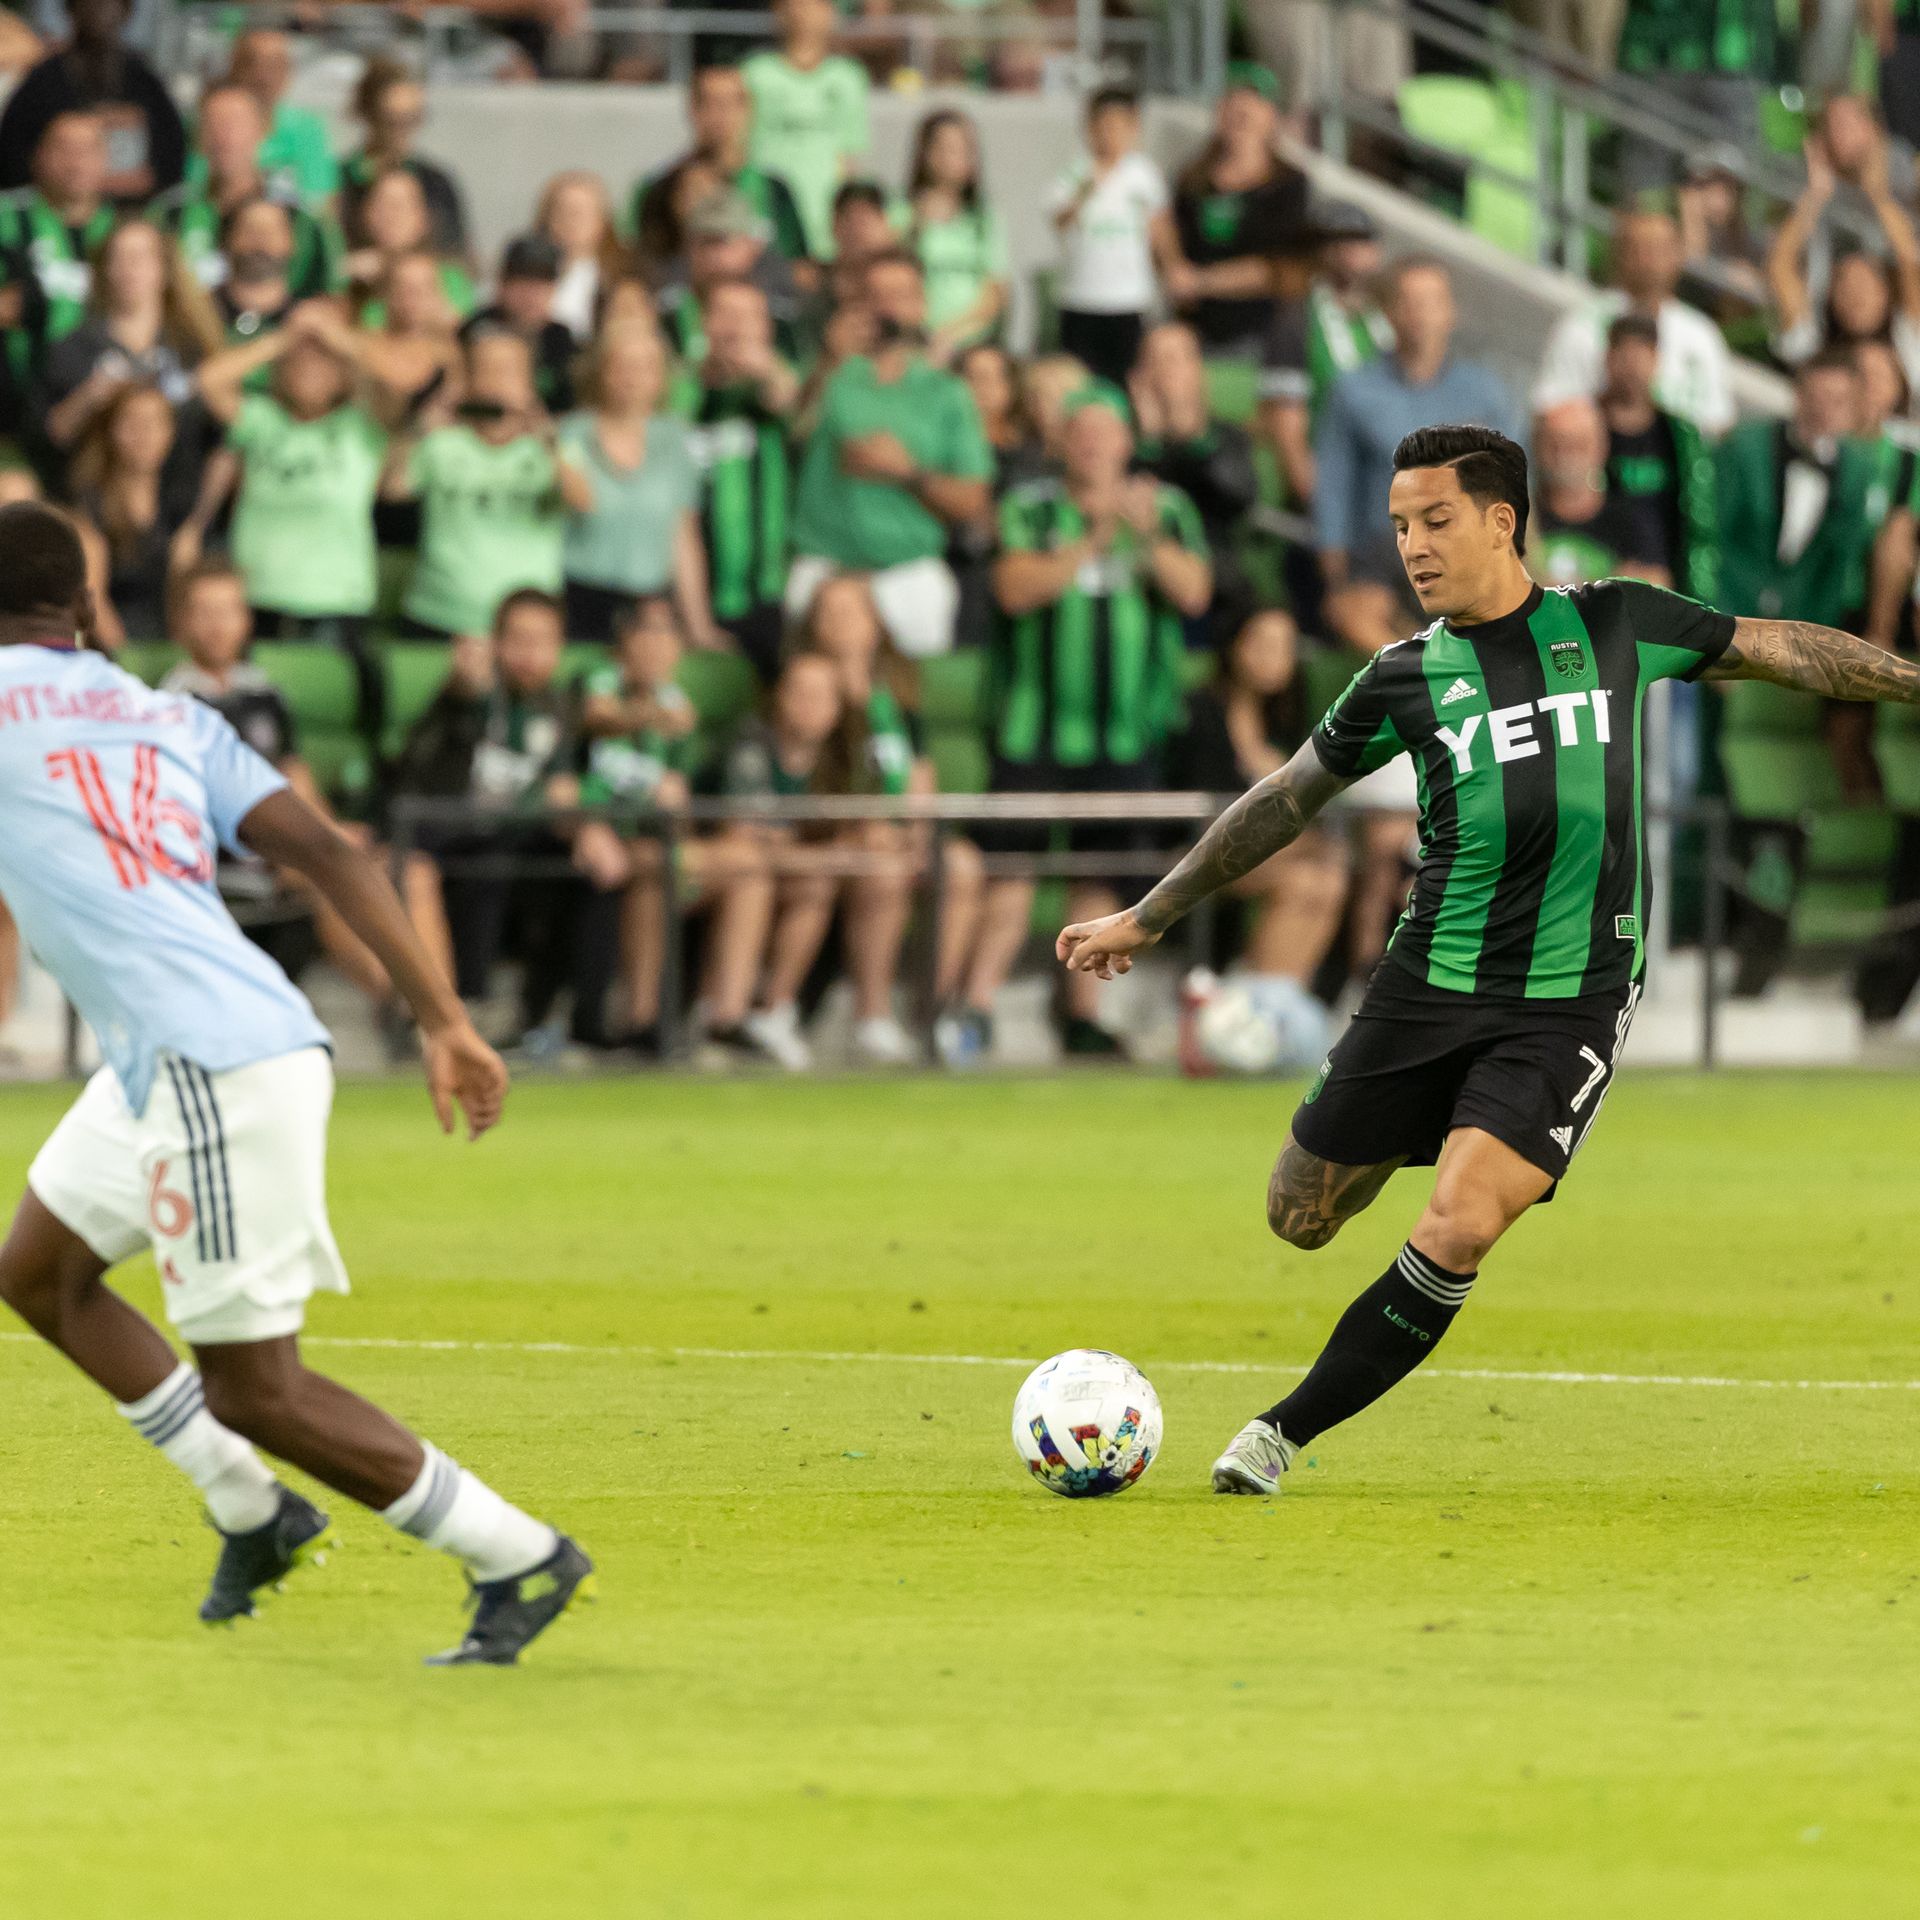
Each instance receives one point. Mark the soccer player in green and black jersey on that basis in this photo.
(1490, 1032)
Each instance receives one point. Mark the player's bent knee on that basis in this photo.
(1459, 1232)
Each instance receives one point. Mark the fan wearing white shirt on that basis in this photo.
(1111, 209)
(1694, 379)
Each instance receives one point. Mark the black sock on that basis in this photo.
(1380, 1339)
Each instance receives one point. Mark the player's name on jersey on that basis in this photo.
(1510, 730)
(120, 704)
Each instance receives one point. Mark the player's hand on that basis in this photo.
(1103, 948)
(464, 1072)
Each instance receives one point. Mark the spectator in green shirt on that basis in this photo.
(494, 493)
(896, 461)
(809, 113)
(296, 151)
(303, 464)
(720, 114)
(225, 176)
(962, 246)
(639, 534)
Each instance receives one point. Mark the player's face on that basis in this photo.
(215, 624)
(526, 652)
(1447, 544)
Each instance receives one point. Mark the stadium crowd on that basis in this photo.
(722, 480)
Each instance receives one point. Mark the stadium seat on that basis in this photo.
(1843, 889)
(147, 660)
(412, 672)
(953, 691)
(322, 690)
(1777, 764)
(1490, 124)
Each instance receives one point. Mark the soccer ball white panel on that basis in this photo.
(1086, 1422)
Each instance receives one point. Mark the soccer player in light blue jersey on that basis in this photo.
(203, 1136)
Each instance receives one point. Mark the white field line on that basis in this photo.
(1554, 1377)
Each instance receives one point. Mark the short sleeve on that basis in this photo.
(1357, 734)
(423, 462)
(1676, 638)
(254, 423)
(236, 778)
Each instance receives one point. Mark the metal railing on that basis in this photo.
(1571, 104)
(1177, 49)
(941, 814)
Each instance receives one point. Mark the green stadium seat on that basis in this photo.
(147, 660)
(413, 671)
(322, 690)
(953, 697)
(1491, 124)
(1233, 391)
(1844, 878)
(1896, 747)
(1776, 761)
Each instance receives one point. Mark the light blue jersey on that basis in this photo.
(113, 802)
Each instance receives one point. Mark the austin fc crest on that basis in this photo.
(1568, 657)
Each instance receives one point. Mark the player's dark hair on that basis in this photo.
(527, 597)
(1105, 97)
(1487, 464)
(43, 566)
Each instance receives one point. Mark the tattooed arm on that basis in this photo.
(1796, 653)
(1262, 821)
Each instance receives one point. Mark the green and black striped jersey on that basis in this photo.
(746, 491)
(1525, 735)
(1095, 677)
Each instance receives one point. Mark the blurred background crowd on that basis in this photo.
(732, 485)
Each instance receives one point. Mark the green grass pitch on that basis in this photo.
(1510, 1647)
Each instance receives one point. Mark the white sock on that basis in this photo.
(452, 1509)
(241, 1492)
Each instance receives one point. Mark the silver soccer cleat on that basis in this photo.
(1255, 1459)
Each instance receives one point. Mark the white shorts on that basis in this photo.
(918, 601)
(224, 1177)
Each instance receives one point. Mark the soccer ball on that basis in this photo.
(1261, 1023)
(1086, 1423)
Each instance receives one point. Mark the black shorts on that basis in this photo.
(1419, 1061)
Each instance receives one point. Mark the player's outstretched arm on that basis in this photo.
(462, 1070)
(1796, 653)
(1264, 819)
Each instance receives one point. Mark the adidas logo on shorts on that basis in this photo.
(1462, 689)
(1562, 1137)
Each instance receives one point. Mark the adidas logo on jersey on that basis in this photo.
(1460, 690)
(1562, 1137)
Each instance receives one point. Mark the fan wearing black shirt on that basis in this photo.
(93, 73)
(1660, 468)
(1581, 530)
(1241, 214)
